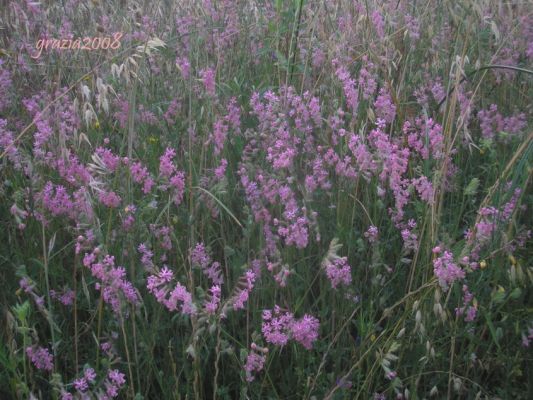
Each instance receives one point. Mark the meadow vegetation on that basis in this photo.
(248, 199)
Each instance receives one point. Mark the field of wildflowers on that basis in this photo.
(254, 199)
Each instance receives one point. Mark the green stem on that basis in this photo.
(49, 301)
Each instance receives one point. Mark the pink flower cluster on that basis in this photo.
(367, 78)
(279, 327)
(108, 389)
(424, 188)
(109, 199)
(372, 234)
(280, 272)
(211, 306)
(208, 79)
(220, 171)
(469, 310)
(349, 85)
(166, 165)
(385, 108)
(5, 86)
(200, 258)
(162, 233)
(255, 361)
(492, 122)
(7, 144)
(57, 200)
(110, 160)
(168, 170)
(445, 269)
(66, 298)
(146, 256)
(491, 218)
(172, 111)
(527, 338)
(82, 384)
(141, 175)
(40, 357)
(394, 160)
(29, 287)
(159, 286)
(222, 125)
(70, 168)
(425, 137)
(111, 280)
(339, 272)
(129, 218)
(243, 293)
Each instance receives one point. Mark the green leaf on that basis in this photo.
(472, 187)
(282, 61)
(279, 4)
(492, 330)
(515, 294)
(243, 354)
(498, 296)
(22, 311)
